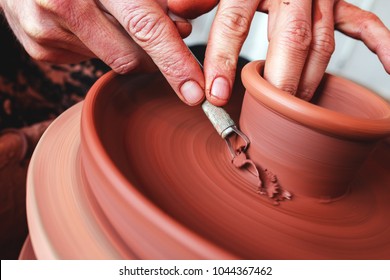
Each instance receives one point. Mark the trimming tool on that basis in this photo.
(225, 126)
(223, 123)
(227, 129)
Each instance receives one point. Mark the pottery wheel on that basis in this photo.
(64, 219)
(172, 155)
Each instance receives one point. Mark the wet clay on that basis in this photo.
(147, 177)
(315, 149)
(164, 179)
(266, 181)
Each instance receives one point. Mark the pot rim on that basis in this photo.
(312, 115)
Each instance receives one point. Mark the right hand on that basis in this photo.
(133, 35)
(301, 40)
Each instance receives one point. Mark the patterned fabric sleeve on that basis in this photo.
(31, 91)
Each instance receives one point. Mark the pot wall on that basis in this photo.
(314, 149)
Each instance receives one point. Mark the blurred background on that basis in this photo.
(352, 59)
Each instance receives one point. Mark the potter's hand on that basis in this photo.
(228, 33)
(126, 35)
(301, 41)
(301, 35)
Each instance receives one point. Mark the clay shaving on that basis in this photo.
(267, 182)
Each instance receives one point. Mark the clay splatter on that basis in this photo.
(268, 183)
(240, 160)
(272, 188)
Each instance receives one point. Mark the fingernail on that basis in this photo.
(192, 92)
(220, 89)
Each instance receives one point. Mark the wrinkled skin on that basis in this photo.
(301, 40)
(139, 35)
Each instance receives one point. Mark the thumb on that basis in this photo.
(152, 29)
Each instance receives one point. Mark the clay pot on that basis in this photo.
(146, 176)
(315, 148)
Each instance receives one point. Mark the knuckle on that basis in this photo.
(145, 27)
(297, 35)
(369, 25)
(323, 42)
(32, 29)
(41, 54)
(305, 94)
(54, 6)
(368, 21)
(289, 89)
(46, 4)
(236, 24)
(173, 67)
(38, 32)
(123, 64)
(74, 13)
(227, 61)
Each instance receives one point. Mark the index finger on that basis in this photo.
(151, 28)
(228, 33)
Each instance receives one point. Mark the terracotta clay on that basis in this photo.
(315, 149)
(64, 220)
(150, 178)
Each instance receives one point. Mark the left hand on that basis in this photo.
(301, 41)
